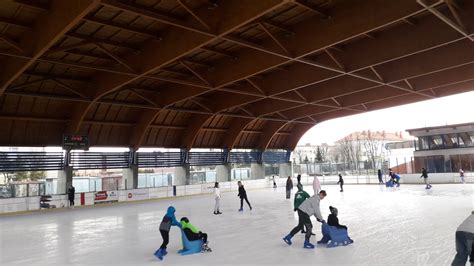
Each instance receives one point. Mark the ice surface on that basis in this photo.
(392, 226)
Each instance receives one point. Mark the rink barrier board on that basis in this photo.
(29, 204)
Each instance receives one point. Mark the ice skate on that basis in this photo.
(287, 240)
(308, 245)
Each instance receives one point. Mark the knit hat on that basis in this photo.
(332, 209)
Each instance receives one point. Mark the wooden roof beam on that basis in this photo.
(61, 18)
(15, 45)
(274, 38)
(194, 14)
(219, 52)
(119, 26)
(311, 8)
(34, 4)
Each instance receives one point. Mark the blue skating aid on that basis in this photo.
(389, 183)
(190, 247)
(333, 236)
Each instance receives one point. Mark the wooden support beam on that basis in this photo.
(219, 52)
(377, 74)
(69, 88)
(123, 27)
(35, 4)
(311, 8)
(194, 14)
(141, 96)
(26, 84)
(195, 73)
(15, 22)
(251, 82)
(331, 55)
(203, 106)
(49, 28)
(453, 9)
(115, 57)
(274, 38)
(154, 15)
(15, 45)
(66, 47)
(279, 27)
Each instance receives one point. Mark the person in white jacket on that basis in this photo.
(308, 208)
(465, 242)
(217, 196)
(316, 185)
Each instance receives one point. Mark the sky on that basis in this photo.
(454, 109)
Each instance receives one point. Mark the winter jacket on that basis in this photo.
(316, 185)
(334, 221)
(217, 192)
(300, 197)
(424, 173)
(169, 219)
(468, 225)
(341, 181)
(71, 193)
(185, 225)
(289, 184)
(311, 207)
(242, 193)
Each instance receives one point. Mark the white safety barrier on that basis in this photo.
(12, 205)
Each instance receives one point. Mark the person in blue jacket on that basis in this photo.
(168, 220)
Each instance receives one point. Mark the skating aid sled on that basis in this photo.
(333, 236)
(190, 247)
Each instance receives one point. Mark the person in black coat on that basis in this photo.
(379, 174)
(289, 187)
(71, 192)
(341, 182)
(298, 178)
(243, 196)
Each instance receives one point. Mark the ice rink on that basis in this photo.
(408, 225)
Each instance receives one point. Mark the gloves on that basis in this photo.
(294, 209)
(323, 222)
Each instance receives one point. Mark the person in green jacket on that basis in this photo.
(300, 196)
(192, 233)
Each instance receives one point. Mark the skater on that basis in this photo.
(274, 183)
(168, 220)
(298, 178)
(308, 208)
(379, 174)
(243, 196)
(333, 220)
(71, 193)
(461, 174)
(300, 197)
(289, 187)
(341, 183)
(465, 242)
(192, 233)
(316, 185)
(396, 179)
(424, 174)
(217, 197)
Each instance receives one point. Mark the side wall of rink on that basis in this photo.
(12, 205)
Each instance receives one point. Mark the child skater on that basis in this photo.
(308, 208)
(424, 174)
(274, 183)
(192, 233)
(217, 196)
(341, 182)
(333, 220)
(289, 187)
(461, 174)
(243, 196)
(168, 220)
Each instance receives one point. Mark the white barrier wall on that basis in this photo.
(12, 205)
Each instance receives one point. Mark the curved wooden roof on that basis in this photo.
(220, 73)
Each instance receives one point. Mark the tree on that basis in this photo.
(319, 156)
(373, 145)
(350, 150)
(37, 175)
(21, 176)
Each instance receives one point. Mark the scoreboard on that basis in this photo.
(75, 142)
